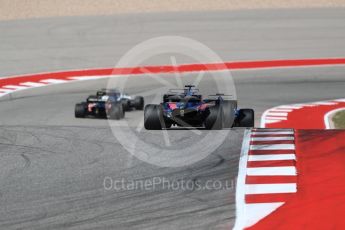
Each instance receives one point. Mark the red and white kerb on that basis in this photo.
(268, 171)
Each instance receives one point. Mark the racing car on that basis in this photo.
(187, 108)
(108, 103)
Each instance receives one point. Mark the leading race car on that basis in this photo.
(108, 103)
(187, 108)
(127, 101)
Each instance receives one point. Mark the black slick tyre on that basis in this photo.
(215, 119)
(126, 104)
(139, 103)
(228, 110)
(80, 110)
(116, 112)
(153, 119)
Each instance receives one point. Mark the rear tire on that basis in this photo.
(215, 119)
(153, 118)
(139, 103)
(228, 109)
(80, 110)
(116, 112)
(246, 118)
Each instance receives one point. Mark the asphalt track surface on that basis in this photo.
(53, 166)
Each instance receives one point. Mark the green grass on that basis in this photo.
(339, 120)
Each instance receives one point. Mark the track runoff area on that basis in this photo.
(291, 170)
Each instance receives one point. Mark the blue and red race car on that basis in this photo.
(187, 108)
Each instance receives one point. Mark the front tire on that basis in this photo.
(80, 110)
(139, 103)
(153, 118)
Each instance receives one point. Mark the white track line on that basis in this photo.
(6, 90)
(15, 87)
(289, 107)
(276, 114)
(272, 171)
(309, 105)
(281, 110)
(280, 133)
(272, 157)
(287, 138)
(32, 84)
(271, 130)
(271, 121)
(276, 118)
(270, 188)
(324, 103)
(54, 81)
(273, 147)
(85, 78)
(241, 211)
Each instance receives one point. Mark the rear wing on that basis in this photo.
(107, 91)
(97, 98)
(220, 96)
(182, 91)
